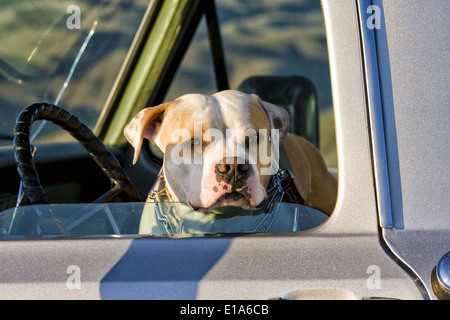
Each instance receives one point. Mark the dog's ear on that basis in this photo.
(146, 124)
(279, 117)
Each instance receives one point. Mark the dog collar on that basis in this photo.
(287, 184)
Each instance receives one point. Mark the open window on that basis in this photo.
(275, 50)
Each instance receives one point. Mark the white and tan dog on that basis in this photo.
(209, 159)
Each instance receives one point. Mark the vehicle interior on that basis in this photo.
(78, 74)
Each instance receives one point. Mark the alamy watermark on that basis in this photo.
(374, 280)
(236, 146)
(74, 20)
(374, 20)
(74, 280)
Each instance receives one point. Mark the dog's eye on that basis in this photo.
(252, 141)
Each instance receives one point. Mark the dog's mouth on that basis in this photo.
(230, 199)
(233, 197)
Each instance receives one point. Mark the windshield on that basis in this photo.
(151, 219)
(61, 53)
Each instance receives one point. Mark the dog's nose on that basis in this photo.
(233, 167)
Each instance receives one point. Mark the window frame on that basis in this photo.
(154, 59)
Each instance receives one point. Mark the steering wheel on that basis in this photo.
(33, 193)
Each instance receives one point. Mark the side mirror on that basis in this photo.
(296, 94)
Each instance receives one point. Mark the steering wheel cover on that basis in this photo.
(33, 193)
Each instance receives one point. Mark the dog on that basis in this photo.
(209, 144)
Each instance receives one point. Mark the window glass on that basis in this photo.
(140, 218)
(62, 52)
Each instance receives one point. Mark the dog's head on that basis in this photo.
(219, 150)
